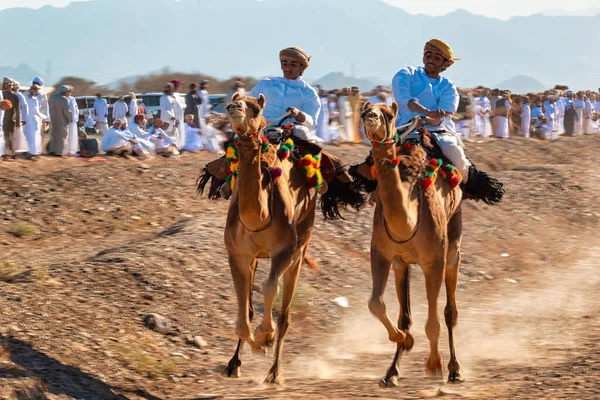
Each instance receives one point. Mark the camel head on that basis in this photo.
(379, 121)
(245, 115)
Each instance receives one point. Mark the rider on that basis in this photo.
(291, 94)
(423, 92)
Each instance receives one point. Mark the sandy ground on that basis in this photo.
(105, 243)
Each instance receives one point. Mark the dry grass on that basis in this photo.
(9, 270)
(21, 229)
(144, 363)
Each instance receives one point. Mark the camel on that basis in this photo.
(412, 225)
(268, 218)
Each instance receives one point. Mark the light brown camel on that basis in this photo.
(412, 226)
(268, 218)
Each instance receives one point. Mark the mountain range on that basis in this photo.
(106, 40)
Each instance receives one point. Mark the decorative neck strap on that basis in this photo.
(380, 144)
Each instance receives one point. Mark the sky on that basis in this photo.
(501, 9)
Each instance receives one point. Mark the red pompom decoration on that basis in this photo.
(395, 161)
(275, 173)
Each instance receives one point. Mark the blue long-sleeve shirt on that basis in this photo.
(414, 84)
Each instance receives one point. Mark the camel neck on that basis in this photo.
(393, 194)
(253, 198)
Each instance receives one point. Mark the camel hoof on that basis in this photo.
(233, 369)
(456, 377)
(389, 382)
(435, 367)
(398, 337)
(409, 342)
(264, 339)
(274, 378)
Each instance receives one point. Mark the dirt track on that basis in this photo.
(113, 241)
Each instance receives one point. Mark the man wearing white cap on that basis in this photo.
(120, 109)
(291, 94)
(167, 105)
(203, 92)
(73, 128)
(133, 106)
(33, 129)
(61, 116)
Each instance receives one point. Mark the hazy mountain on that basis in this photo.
(590, 11)
(105, 40)
(522, 84)
(336, 80)
(22, 73)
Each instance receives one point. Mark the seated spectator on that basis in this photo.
(136, 147)
(193, 137)
(163, 142)
(143, 137)
(115, 142)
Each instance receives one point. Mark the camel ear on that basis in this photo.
(262, 101)
(367, 106)
(235, 97)
(395, 108)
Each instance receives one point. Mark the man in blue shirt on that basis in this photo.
(422, 91)
(291, 94)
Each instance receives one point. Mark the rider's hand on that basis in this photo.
(293, 112)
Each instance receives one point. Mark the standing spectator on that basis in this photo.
(42, 97)
(193, 102)
(101, 114)
(203, 92)
(323, 118)
(120, 109)
(179, 108)
(525, 117)
(73, 139)
(579, 105)
(484, 110)
(33, 129)
(167, 106)
(345, 118)
(132, 109)
(355, 99)
(501, 111)
(12, 118)
(61, 117)
(570, 117)
(589, 127)
(20, 143)
(3, 105)
(236, 87)
(549, 112)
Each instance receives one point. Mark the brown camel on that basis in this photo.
(268, 218)
(412, 226)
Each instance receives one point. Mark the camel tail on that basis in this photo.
(311, 263)
(359, 181)
(484, 187)
(340, 195)
(205, 177)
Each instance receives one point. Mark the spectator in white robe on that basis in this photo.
(525, 117)
(236, 87)
(212, 138)
(42, 97)
(589, 127)
(20, 142)
(501, 112)
(179, 110)
(549, 113)
(73, 138)
(291, 95)
(203, 92)
(345, 117)
(167, 108)
(597, 112)
(579, 105)
(101, 114)
(33, 128)
(163, 142)
(136, 147)
(539, 121)
(120, 109)
(132, 108)
(554, 103)
(484, 111)
(323, 120)
(115, 142)
(141, 135)
(193, 137)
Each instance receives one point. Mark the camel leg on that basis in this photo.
(290, 280)
(241, 267)
(401, 273)
(380, 270)
(233, 369)
(266, 332)
(451, 311)
(434, 275)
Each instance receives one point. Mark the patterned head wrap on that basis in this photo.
(297, 54)
(441, 48)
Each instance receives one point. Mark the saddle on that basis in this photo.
(479, 186)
